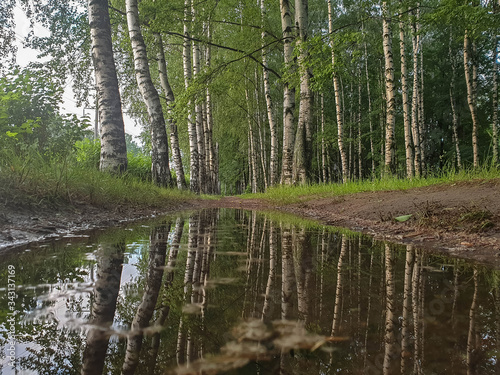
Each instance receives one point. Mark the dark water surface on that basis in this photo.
(238, 292)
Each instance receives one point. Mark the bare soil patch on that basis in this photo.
(461, 219)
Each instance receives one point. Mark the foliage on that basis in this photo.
(29, 113)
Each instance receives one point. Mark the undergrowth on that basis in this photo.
(35, 181)
(301, 193)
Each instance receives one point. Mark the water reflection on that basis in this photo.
(240, 291)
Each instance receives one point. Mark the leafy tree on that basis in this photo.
(30, 101)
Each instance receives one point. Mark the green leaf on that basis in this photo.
(10, 134)
(402, 218)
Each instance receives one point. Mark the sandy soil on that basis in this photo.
(461, 220)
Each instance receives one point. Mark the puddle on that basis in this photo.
(231, 291)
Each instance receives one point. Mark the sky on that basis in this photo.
(26, 55)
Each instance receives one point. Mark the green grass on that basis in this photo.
(299, 193)
(36, 181)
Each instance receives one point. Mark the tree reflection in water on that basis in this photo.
(230, 289)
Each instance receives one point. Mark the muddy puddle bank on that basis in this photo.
(222, 290)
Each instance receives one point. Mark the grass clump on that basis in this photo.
(35, 180)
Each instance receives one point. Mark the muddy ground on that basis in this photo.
(461, 219)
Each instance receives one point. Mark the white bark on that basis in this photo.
(300, 158)
(113, 146)
(288, 95)
(338, 103)
(273, 159)
(159, 142)
(170, 99)
(414, 104)
(370, 120)
(454, 105)
(389, 89)
(410, 172)
(194, 184)
(469, 67)
(200, 139)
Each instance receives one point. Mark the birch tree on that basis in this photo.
(193, 139)
(288, 95)
(113, 147)
(414, 103)
(159, 143)
(404, 92)
(198, 120)
(170, 99)
(494, 101)
(273, 158)
(453, 104)
(470, 69)
(338, 102)
(389, 90)
(301, 149)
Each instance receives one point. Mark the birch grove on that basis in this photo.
(362, 108)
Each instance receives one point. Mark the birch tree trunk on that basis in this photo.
(288, 95)
(113, 148)
(270, 297)
(194, 181)
(200, 139)
(454, 105)
(414, 104)
(303, 261)
(273, 159)
(338, 103)
(170, 99)
(390, 313)
(469, 67)
(407, 310)
(156, 263)
(159, 143)
(211, 154)
(302, 140)
(287, 272)
(106, 290)
(337, 310)
(323, 142)
(360, 143)
(382, 116)
(390, 91)
(410, 172)
(421, 117)
(370, 120)
(472, 357)
(494, 125)
(252, 157)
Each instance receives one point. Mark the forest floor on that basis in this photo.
(460, 219)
